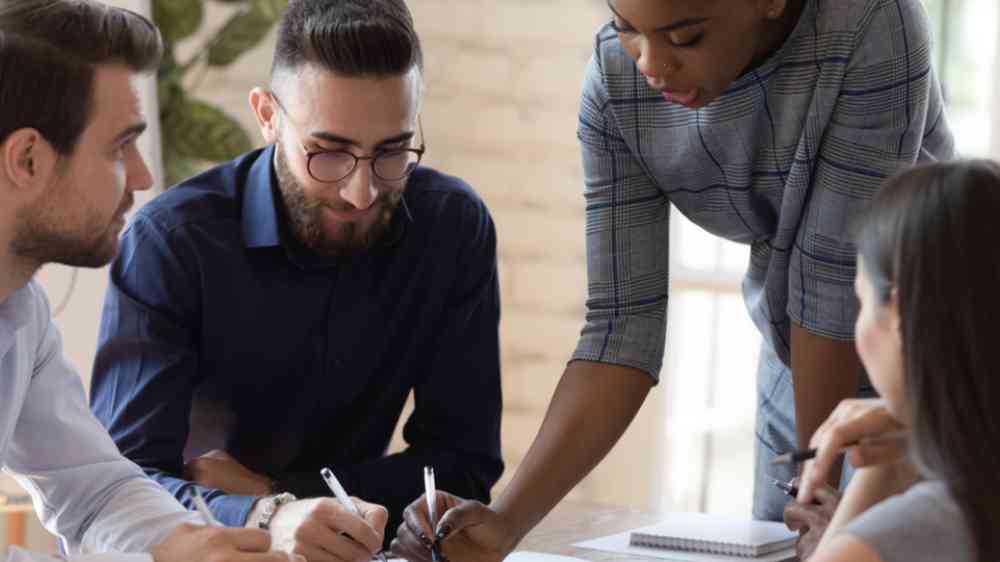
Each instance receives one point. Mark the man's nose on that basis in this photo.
(360, 191)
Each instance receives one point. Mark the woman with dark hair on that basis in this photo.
(927, 279)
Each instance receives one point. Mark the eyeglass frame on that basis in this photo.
(357, 159)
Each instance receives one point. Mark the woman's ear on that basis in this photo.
(892, 307)
(28, 161)
(774, 9)
(264, 109)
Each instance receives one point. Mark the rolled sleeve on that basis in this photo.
(627, 230)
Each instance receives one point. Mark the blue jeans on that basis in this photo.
(775, 434)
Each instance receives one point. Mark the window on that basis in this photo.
(965, 46)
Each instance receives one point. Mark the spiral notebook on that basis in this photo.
(712, 534)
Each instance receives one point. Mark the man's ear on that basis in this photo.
(266, 112)
(28, 160)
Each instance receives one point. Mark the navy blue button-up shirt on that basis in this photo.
(220, 331)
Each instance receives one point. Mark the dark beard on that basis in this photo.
(304, 217)
(39, 238)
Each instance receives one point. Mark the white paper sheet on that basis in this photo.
(619, 544)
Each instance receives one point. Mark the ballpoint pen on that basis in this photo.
(430, 492)
(791, 490)
(206, 514)
(796, 457)
(345, 500)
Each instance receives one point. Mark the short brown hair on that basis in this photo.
(351, 38)
(49, 51)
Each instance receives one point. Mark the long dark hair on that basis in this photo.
(933, 234)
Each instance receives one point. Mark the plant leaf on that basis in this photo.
(177, 19)
(197, 130)
(177, 168)
(241, 33)
(270, 8)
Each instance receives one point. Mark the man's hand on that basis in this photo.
(216, 469)
(321, 530)
(195, 543)
(811, 520)
(851, 421)
(467, 531)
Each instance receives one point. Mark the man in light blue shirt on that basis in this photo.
(69, 120)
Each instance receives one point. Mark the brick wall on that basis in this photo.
(503, 82)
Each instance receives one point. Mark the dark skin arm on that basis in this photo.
(824, 372)
(592, 406)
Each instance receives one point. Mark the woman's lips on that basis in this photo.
(682, 98)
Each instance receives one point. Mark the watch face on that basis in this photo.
(270, 505)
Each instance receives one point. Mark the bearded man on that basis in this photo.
(270, 317)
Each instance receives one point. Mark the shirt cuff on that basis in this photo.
(232, 511)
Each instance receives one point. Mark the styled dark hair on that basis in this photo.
(49, 51)
(932, 233)
(351, 38)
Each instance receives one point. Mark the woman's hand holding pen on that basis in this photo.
(857, 423)
(811, 520)
(468, 531)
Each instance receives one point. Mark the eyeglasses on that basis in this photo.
(331, 166)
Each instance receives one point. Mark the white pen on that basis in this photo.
(430, 492)
(206, 514)
(341, 494)
(338, 491)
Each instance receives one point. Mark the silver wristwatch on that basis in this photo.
(269, 506)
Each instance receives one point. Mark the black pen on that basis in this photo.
(792, 491)
(787, 488)
(801, 456)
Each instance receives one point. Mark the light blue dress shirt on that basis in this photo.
(100, 504)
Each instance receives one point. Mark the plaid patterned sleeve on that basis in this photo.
(627, 229)
(887, 114)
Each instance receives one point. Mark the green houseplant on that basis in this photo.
(196, 133)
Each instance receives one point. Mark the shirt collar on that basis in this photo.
(260, 213)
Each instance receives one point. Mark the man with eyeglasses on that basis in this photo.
(270, 317)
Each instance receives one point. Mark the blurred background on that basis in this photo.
(503, 80)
